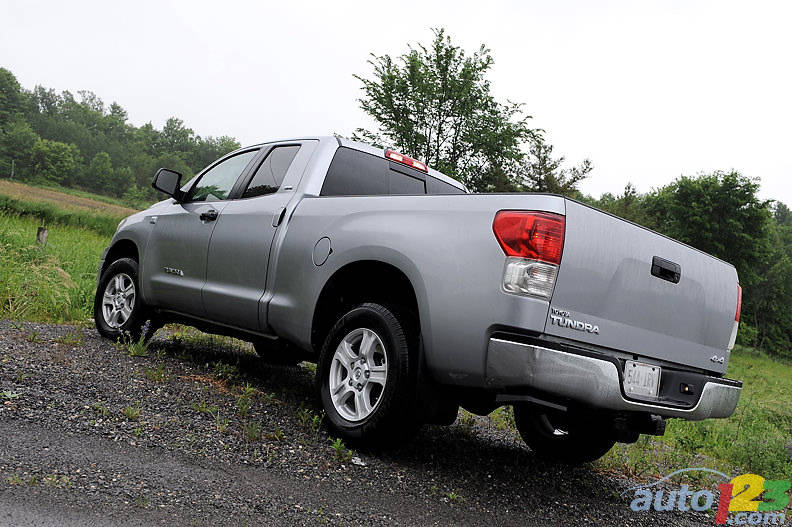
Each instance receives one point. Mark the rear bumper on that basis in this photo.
(593, 381)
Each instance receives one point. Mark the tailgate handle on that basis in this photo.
(666, 270)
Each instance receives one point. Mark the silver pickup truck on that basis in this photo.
(415, 297)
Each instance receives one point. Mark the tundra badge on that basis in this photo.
(562, 318)
(171, 270)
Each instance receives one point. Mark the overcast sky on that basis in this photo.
(647, 90)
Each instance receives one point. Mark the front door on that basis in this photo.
(175, 257)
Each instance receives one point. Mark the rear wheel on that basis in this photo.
(557, 435)
(366, 378)
(119, 310)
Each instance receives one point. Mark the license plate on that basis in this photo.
(641, 379)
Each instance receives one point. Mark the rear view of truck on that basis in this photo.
(639, 328)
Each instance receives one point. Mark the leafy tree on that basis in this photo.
(782, 214)
(719, 213)
(12, 99)
(122, 180)
(16, 144)
(100, 172)
(175, 137)
(54, 161)
(435, 103)
(628, 205)
(541, 172)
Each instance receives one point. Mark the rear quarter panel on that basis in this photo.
(443, 244)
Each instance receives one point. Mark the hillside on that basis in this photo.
(65, 198)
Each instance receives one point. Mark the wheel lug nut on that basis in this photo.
(367, 375)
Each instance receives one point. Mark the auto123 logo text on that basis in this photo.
(748, 499)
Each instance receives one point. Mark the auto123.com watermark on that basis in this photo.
(747, 499)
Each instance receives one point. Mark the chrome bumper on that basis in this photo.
(590, 381)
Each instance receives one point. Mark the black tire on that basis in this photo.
(392, 420)
(559, 436)
(277, 353)
(137, 324)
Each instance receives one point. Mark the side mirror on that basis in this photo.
(169, 182)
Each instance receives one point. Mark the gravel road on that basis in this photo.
(203, 433)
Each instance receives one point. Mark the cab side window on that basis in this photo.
(217, 182)
(269, 176)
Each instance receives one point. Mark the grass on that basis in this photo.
(251, 431)
(72, 338)
(55, 283)
(342, 453)
(157, 374)
(132, 412)
(135, 348)
(204, 408)
(757, 438)
(50, 216)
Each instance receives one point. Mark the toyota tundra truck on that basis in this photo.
(415, 297)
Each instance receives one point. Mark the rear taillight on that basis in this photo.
(736, 325)
(533, 243)
(535, 235)
(739, 303)
(406, 160)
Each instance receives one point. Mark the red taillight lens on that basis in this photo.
(739, 303)
(405, 160)
(535, 235)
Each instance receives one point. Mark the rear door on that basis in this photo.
(175, 256)
(634, 290)
(239, 251)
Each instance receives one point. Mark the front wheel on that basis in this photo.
(118, 309)
(365, 377)
(560, 436)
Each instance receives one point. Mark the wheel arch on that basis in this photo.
(123, 248)
(363, 281)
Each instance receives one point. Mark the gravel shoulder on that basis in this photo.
(203, 433)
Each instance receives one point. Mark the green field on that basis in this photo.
(56, 284)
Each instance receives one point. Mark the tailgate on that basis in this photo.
(607, 294)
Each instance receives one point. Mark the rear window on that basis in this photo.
(403, 183)
(436, 186)
(356, 173)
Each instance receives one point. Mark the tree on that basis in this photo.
(12, 99)
(16, 144)
(100, 173)
(628, 205)
(435, 104)
(719, 213)
(54, 161)
(541, 172)
(782, 214)
(175, 137)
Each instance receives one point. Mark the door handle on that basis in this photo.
(666, 270)
(209, 215)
